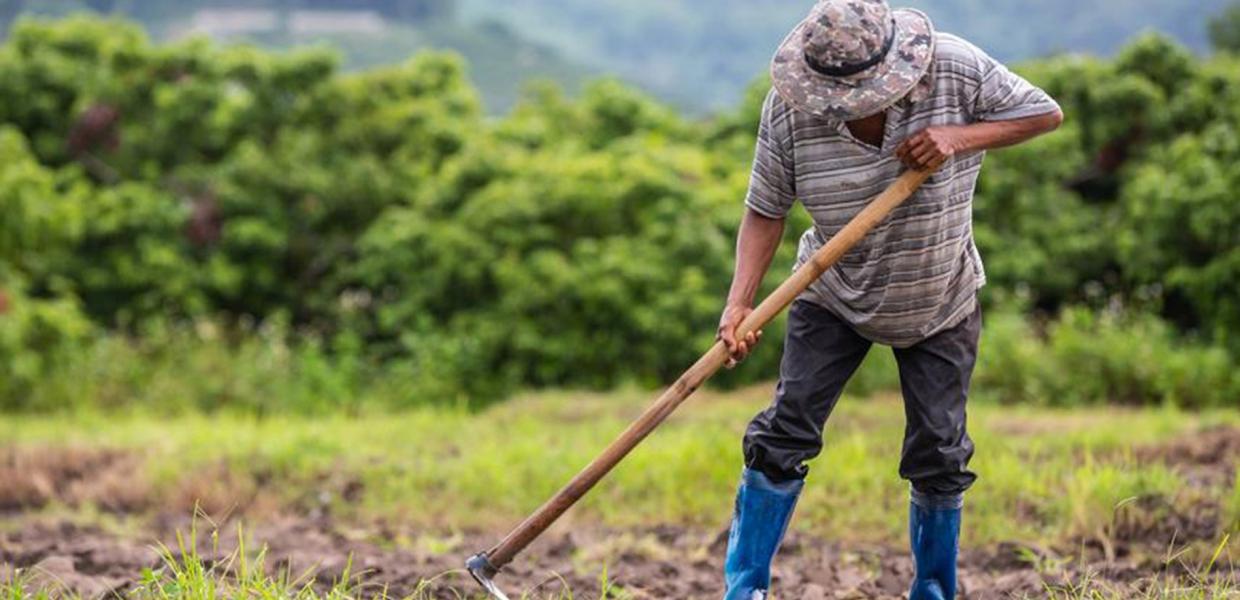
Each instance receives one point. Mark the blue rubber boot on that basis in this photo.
(763, 509)
(934, 528)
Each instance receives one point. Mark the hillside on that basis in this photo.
(701, 54)
(367, 33)
(500, 61)
(695, 54)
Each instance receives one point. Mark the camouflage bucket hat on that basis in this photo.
(854, 58)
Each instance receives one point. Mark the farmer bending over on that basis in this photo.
(860, 93)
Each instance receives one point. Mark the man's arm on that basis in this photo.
(1004, 109)
(772, 192)
(756, 243)
(934, 144)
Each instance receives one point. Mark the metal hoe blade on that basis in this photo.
(480, 567)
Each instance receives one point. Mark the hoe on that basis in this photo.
(484, 566)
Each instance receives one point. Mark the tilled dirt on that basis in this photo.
(1205, 458)
(107, 478)
(654, 562)
(662, 562)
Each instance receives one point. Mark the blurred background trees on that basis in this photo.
(169, 212)
(1225, 29)
(364, 33)
(699, 55)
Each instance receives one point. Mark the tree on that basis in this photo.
(1225, 29)
(573, 242)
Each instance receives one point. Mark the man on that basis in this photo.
(860, 93)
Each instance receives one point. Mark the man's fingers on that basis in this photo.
(902, 153)
(910, 161)
(909, 157)
(738, 349)
(921, 149)
(906, 147)
(927, 156)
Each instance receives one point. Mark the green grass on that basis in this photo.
(1051, 477)
(185, 574)
(1045, 474)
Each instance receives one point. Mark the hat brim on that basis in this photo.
(864, 94)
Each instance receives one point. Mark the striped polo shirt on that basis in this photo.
(918, 271)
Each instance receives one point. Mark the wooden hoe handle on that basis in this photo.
(705, 367)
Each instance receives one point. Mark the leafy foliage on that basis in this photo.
(1225, 29)
(379, 222)
(1086, 357)
(1131, 200)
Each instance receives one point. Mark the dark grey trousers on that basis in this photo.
(821, 352)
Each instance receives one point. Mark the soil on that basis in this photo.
(1205, 458)
(656, 562)
(663, 562)
(107, 478)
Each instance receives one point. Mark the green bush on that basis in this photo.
(36, 335)
(56, 363)
(1225, 29)
(379, 223)
(1182, 230)
(205, 366)
(1086, 357)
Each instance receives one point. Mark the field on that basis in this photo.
(271, 329)
(1083, 503)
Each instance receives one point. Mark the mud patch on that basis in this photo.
(1149, 519)
(117, 481)
(659, 562)
(1207, 458)
(32, 477)
(64, 559)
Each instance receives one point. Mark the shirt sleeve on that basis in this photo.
(772, 183)
(1002, 95)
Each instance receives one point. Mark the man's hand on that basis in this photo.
(733, 314)
(931, 147)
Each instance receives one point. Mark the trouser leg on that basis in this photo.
(820, 353)
(934, 375)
